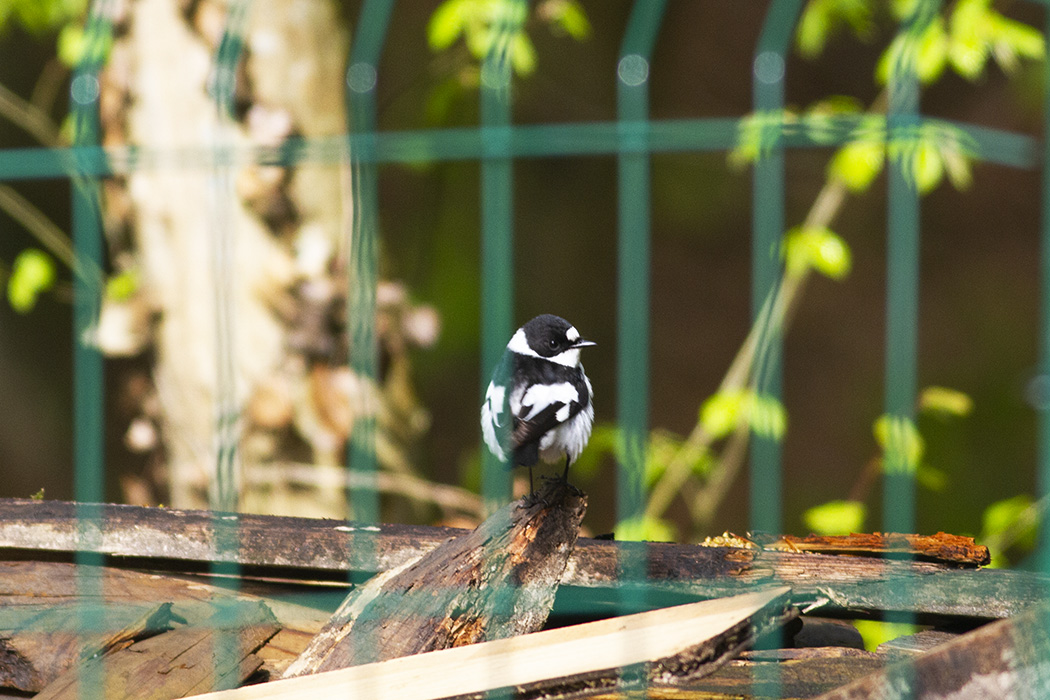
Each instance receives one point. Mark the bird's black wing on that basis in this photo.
(525, 439)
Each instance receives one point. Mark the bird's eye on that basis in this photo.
(553, 342)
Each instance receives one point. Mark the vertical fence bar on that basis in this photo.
(902, 280)
(224, 491)
(361, 78)
(1041, 393)
(767, 228)
(88, 388)
(497, 223)
(633, 261)
(363, 268)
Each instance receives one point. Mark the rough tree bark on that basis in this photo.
(294, 394)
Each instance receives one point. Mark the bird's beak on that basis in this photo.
(581, 343)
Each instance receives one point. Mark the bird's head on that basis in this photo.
(550, 337)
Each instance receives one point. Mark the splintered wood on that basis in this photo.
(498, 581)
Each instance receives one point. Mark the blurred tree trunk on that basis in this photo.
(294, 395)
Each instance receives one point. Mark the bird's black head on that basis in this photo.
(549, 336)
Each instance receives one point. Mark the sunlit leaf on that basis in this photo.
(945, 401)
(722, 412)
(931, 477)
(857, 164)
(816, 248)
(768, 417)
(902, 444)
(33, 273)
(123, 286)
(645, 530)
(1018, 515)
(569, 17)
(757, 134)
(875, 632)
(523, 54)
(448, 23)
(835, 517)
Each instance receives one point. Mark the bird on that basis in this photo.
(539, 404)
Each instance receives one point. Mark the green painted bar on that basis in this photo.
(497, 227)
(443, 145)
(633, 262)
(767, 211)
(1040, 391)
(361, 77)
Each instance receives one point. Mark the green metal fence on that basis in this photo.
(497, 143)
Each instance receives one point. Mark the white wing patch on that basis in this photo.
(490, 419)
(540, 396)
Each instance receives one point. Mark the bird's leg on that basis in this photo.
(565, 474)
(532, 491)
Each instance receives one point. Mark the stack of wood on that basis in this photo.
(128, 602)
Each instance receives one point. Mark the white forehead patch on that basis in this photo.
(519, 344)
(572, 334)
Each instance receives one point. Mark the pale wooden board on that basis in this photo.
(587, 650)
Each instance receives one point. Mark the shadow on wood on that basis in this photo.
(497, 581)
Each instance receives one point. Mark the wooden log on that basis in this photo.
(782, 673)
(942, 547)
(191, 660)
(498, 581)
(311, 549)
(671, 646)
(60, 596)
(1004, 659)
(38, 648)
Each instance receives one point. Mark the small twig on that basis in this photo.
(29, 117)
(328, 477)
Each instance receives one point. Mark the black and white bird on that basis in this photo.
(539, 403)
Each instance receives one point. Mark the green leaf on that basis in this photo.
(33, 274)
(875, 632)
(122, 286)
(768, 417)
(38, 496)
(1018, 513)
(722, 412)
(925, 54)
(932, 478)
(523, 54)
(857, 164)
(835, 517)
(818, 248)
(902, 444)
(645, 529)
(448, 23)
(757, 133)
(569, 17)
(945, 401)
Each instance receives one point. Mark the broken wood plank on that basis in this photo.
(1004, 659)
(498, 581)
(668, 646)
(215, 655)
(38, 648)
(942, 548)
(308, 549)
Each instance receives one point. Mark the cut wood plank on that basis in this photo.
(682, 643)
(37, 649)
(498, 581)
(308, 549)
(215, 655)
(1004, 659)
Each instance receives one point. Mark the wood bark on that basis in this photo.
(497, 581)
(1005, 659)
(214, 655)
(302, 548)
